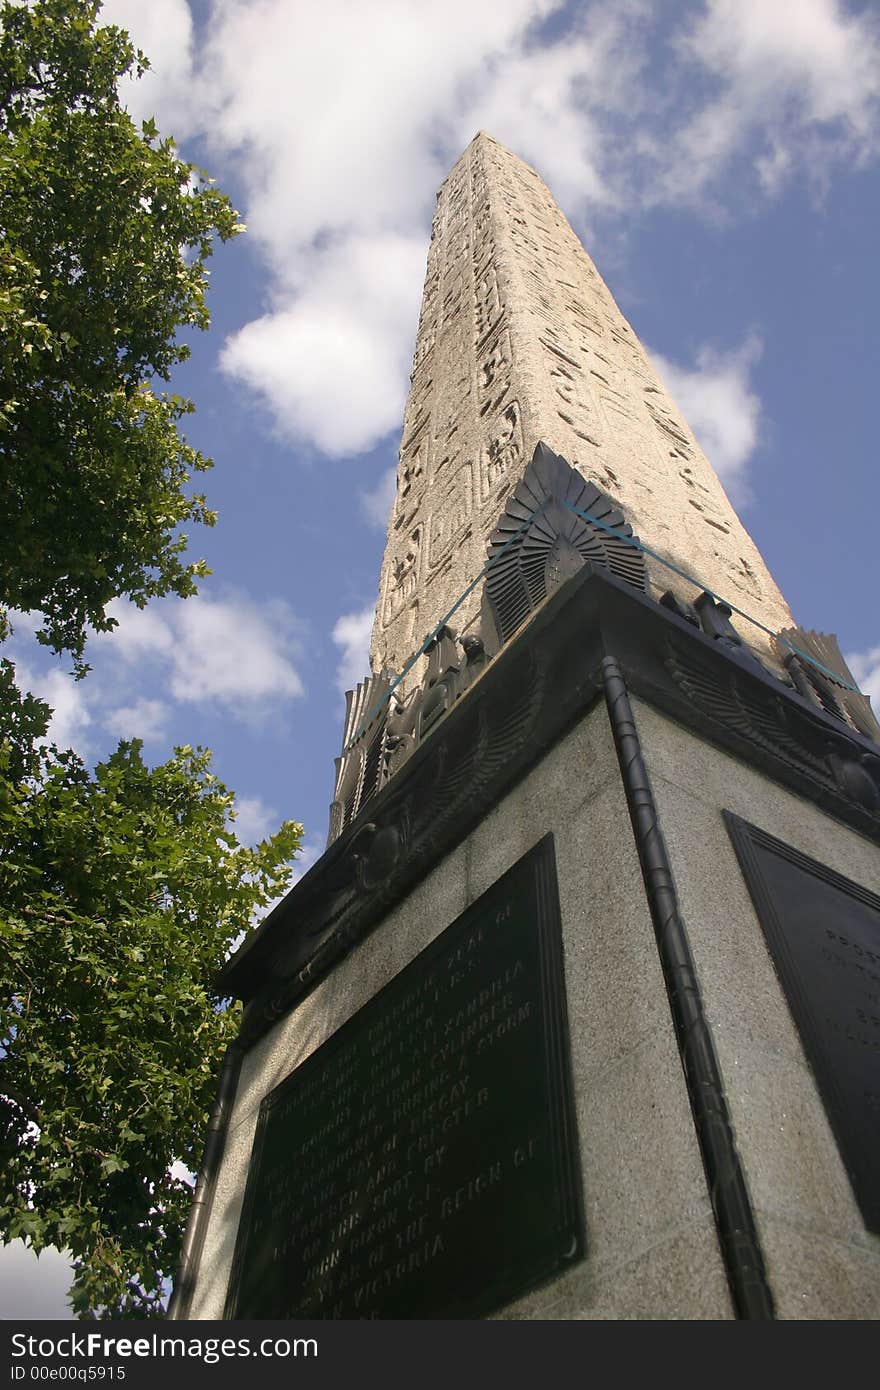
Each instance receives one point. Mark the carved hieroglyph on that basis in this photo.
(519, 340)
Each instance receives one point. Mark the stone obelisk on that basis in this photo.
(520, 341)
(576, 1017)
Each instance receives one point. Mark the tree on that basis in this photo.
(121, 890)
(105, 235)
(122, 894)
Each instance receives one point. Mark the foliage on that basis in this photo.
(122, 893)
(122, 890)
(105, 234)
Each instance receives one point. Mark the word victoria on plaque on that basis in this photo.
(423, 1163)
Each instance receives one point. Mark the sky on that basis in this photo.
(718, 159)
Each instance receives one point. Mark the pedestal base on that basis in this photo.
(659, 1241)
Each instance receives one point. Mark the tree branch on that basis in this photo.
(32, 1111)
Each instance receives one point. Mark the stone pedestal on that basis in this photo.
(715, 1177)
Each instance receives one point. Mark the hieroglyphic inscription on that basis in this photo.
(823, 931)
(449, 521)
(401, 577)
(494, 369)
(421, 1163)
(519, 341)
(501, 458)
(488, 303)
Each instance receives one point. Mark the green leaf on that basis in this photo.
(102, 264)
(122, 888)
(112, 1164)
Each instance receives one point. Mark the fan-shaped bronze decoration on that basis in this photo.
(836, 697)
(358, 766)
(557, 542)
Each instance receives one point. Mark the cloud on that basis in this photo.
(331, 365)
(163, 30)
(723, 411)
(554, 105)
(810, 49)
(339, 121)
(68, 700)
(377, 503)
(145, 719)
(351, 634)
(339, 135)
(254, 820)
(232, 652)
(865, 667)
(615, 107)
(340, 206)
(139, 633)
(794, 84)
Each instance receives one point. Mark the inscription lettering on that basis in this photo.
(399, 1150)
(824, 935)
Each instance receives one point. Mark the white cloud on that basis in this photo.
(145, 719)
(67, 698)
(340, 205)
(232, 651)
(332, 364)
(340, 121)
(549, 104)
(809, 48)
(795, 83)
(333, 108)
(139, 633)
(865, 667)
(376, 503)
(254, 820)
(163, 30)
(351, 634)
(720, 407)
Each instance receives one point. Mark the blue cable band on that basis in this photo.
(698, 583)
(636, 545)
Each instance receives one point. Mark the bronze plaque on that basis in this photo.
(423, 1162)
(823, 932)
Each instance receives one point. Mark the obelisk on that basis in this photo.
(576, 1017)
(520, 341)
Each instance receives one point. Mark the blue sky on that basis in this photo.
(719, 160)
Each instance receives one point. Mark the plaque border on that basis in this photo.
(746, 838)
(564, 1140)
